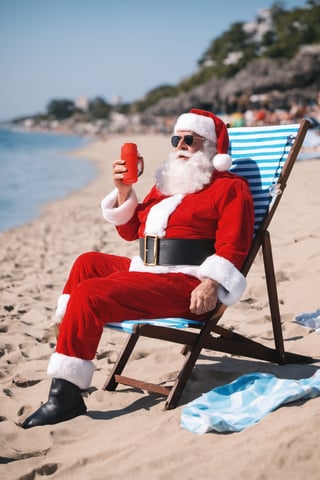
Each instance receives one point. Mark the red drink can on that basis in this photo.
(129, 153)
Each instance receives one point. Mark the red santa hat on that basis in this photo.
(209, 126)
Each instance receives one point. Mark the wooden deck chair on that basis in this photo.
(265, 156)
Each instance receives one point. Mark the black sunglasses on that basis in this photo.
(188, 140)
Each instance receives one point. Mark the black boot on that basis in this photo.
(64, 402)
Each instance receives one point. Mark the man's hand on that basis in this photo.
(119, 169)
(204, 297)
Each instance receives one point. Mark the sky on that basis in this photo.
(65, 49)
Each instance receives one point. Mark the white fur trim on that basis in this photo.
(118, 215)
(62, 303)
(199, 124)
(232, 283)
(73, 369)
(137, 265)
(158, 216)
(222, 162)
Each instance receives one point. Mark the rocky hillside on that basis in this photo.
(273, 83)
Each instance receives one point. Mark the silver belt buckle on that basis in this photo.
(155, 250)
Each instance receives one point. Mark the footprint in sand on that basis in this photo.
(110, 355)
(45, 469)
(5, 349)
(23, 347)
(138, 355)
(282, 277)
(23, 382)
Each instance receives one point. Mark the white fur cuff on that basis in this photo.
(73, 369)
(118, 215)
(63, 300)
(232, 283)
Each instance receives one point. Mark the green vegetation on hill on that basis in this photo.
(285, 33)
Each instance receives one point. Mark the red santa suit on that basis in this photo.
(104, 288)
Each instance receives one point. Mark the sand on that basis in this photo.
(127, 434)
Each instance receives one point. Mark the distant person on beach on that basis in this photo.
(195, 229)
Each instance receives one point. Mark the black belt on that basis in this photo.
(174, 251)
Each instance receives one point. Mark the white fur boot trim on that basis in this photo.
(73, 369)
(63, 300)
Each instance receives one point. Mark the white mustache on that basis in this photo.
(181, 175)
(184, 153)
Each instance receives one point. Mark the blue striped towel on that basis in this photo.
(243, 402)
(311, 320)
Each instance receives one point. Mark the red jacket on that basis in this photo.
(223, 211)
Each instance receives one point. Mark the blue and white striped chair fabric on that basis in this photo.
(258, 154)
(128, 325)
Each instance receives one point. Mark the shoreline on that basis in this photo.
(65, 228)
(126, 433)
(91, 153)
(36, 170)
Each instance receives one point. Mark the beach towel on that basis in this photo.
(311, 320)
(243, 402)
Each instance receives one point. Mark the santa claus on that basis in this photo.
(194, 228)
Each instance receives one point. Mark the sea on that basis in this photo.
(36, 168)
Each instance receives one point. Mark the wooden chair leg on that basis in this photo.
(273, 296)
(178, 387)
(191, 353)
(111, 383)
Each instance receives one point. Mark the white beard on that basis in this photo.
(177, 175)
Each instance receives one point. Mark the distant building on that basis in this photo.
(233, 57)
(261, 25)
(82, 103)
(116, 100)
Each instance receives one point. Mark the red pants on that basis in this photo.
(102, 290)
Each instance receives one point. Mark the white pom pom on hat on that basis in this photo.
(209, 126)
